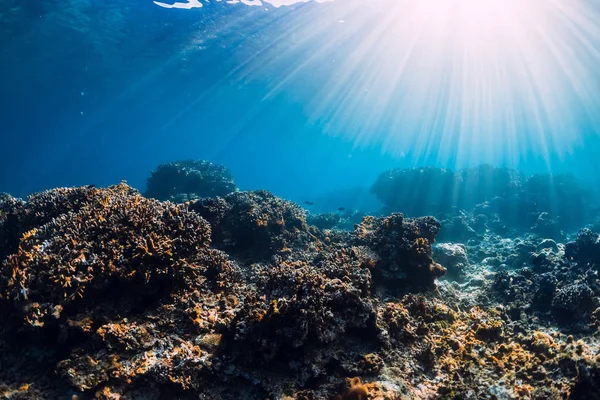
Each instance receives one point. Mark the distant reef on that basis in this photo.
(107, 294)
(474, 200)
(181, 181)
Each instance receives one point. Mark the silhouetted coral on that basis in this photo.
(252, 224)
(182, 181)
(560, 195)
(585, 250)
(417, 191)
(545, 204)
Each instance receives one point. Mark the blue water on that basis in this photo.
(300, 100)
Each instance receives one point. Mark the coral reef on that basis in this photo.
(585, 250)
(238, 297)
(183, 181)
(252, 225)
(403, 190)
(543, 204)
(453, 256)
(323, 221)
(99, 275)
(341, 220)
(403, 249)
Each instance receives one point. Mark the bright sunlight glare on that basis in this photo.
(445, 81)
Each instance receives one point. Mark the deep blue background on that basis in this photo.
(104, 92)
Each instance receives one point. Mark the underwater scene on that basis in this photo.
(299, 199)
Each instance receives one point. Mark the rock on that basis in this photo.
(415, 191)
(545, 226)
(548, 244)
(492, 261)
(183, 181)
(457, 229)
(573, 304)
(238, 297)
(405, 190)
(543, 204)
(252, 225)
(453, 256)
(585, 250)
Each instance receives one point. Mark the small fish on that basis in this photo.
(310, 203)
(342, 209)
(91, 186)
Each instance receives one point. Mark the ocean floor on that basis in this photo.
(109, 294)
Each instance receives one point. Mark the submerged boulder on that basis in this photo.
(585, 250)
(453, 256)
(324, 221)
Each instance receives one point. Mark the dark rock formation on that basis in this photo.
(457, 228)
(119, 285)
(252, 225)
(453, 256)
(403, 249)
(183, 181)
(585, 250)
(417, 191)
(573, 304)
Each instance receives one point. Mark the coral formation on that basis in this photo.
(323, 221)
(182, 181)
(585, 250)
(543, 204)
(237, 297)
(252, 224)
(403, 249)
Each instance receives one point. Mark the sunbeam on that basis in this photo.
(454, 81)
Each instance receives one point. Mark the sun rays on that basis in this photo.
(447, 81)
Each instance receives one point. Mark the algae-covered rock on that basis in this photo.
(453, 257)
(323, 221)
(585, 250)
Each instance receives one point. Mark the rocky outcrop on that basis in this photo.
(183, 181)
